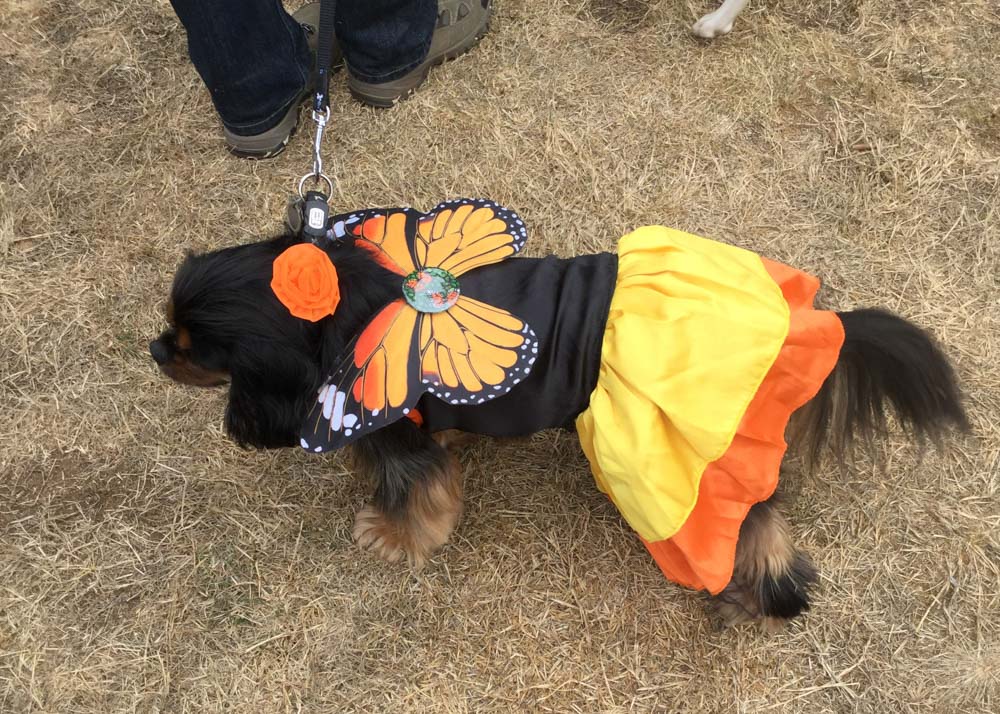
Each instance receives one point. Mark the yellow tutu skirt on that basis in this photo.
(707, 352)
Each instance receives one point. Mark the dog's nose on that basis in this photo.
(160, 352)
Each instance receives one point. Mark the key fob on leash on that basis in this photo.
(315, 214)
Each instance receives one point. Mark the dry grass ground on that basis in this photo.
(148, 565)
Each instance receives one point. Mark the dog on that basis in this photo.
(719, 22)
(226, 327)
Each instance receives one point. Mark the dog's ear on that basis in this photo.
(270, 389)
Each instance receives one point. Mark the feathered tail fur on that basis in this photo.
(887, 365)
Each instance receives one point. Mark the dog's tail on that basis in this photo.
(886, 361)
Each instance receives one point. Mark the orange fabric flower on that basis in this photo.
(305, 282)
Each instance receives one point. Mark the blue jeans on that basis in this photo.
(254, 59)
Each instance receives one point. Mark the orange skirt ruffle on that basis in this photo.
(701, 554)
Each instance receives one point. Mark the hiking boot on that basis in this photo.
(460, 25)
(272, 142)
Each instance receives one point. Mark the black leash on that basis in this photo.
(310, 212)
(324, 56)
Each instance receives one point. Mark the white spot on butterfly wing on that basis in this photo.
(328, 403)
(303, 443)
(350, 420)
(338, 411)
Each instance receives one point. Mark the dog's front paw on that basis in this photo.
(714, 24)
(413, 535)
(374, 532)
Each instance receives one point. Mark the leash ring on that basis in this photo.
(317, 177)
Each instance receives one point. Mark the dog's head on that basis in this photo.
(227, 326)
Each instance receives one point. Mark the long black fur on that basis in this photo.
(276, 361)
(887, 364)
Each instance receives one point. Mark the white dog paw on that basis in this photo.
(714, 24)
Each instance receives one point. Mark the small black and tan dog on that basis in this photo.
(227, 327)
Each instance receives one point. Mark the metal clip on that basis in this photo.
(321, 122)
(317, 174)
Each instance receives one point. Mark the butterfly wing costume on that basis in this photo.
(431, 338)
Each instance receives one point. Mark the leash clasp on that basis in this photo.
(315, 206)
(321, 119)
(317, 175)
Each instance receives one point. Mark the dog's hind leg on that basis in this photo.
(720, 22)
(418, 494)
(771, 577)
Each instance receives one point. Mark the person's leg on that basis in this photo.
(384, 39)
(252, 56)
(390, 45)
(256, 60)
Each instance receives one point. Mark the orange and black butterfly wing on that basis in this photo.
(386, 234)
(377, 383)
(474, 352)
(470, 353)
(459, 236)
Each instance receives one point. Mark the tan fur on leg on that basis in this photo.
(433, 507)
(770, 578)
(765, 547)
